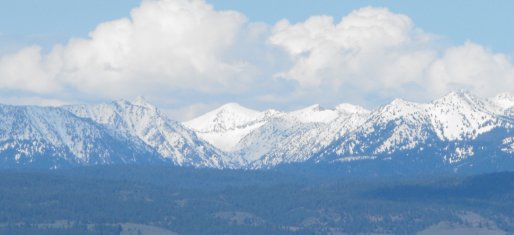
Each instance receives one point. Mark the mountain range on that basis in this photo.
(459, 132)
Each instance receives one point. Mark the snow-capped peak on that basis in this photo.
(460, 98)
(504, 96)
(461, 115)
(225, 126)
(271, 113)
(347, 108)
(502, 103)
(398, 108)
(143, 102)
(314, 108)
(227, 117)
(314, 113)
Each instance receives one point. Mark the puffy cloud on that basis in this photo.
(364, 29)
(164, 45)
(189, 57)
(472, 67)
(370, 48)
(380, 53)
(28, 70)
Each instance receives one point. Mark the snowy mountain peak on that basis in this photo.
(400, 102)
(461, 115)
(398, 109)
(227, 117)
(351, 109)
(270, 113)
(313, 114)
(401, 107)
(233, 106)
(504, 95)
(226, 125)
(462, 92)
(143, 102)
(459, 98)
(503, 102)
(314, 108)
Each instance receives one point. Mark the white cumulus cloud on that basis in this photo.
(189, 57)
(164, 45)
(375, 51)
(471, 66)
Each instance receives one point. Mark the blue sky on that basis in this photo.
(189, 61)
(48, 22)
